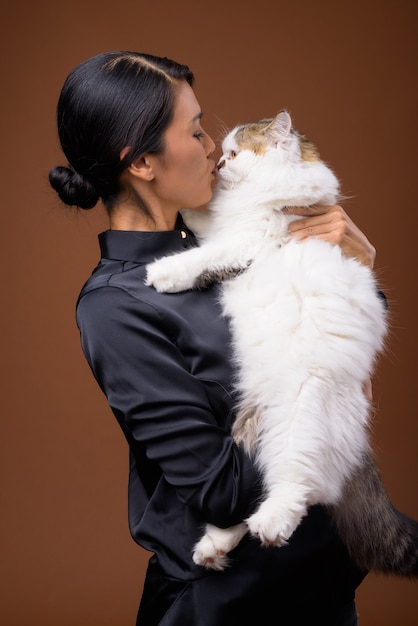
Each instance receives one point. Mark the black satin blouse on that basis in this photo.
(164, 364)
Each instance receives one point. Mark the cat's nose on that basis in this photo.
(220, 164)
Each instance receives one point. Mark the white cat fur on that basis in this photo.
(307, 325)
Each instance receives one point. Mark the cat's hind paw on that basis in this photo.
(273, 524)
(207, 556)
(212, 549)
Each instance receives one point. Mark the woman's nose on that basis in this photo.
(211, 146)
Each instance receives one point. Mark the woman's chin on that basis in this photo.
(202, 207)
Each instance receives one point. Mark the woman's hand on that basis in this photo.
(332, 224)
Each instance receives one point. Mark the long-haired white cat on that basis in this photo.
(307, 326)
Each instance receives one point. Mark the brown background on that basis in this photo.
(347, 73)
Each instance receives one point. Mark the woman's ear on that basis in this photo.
(142, 168)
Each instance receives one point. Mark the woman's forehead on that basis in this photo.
(186, 107)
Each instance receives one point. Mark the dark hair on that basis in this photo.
(109, 102)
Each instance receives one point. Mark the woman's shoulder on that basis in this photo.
(117, 291)
(123, 275)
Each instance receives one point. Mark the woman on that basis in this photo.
(130, 127)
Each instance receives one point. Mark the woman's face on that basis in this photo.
(184, 173)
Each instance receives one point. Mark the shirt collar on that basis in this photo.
(142, 246)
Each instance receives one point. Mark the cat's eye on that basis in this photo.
(233, 154)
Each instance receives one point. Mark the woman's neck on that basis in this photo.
(128, 217)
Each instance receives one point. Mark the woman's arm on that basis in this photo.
(332, 224)
(163, 409)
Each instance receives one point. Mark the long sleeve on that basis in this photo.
(169, 393)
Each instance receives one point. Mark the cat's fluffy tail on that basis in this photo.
(378, 537)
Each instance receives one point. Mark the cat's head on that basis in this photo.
(274, 140)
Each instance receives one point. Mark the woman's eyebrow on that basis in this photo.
(197, 117)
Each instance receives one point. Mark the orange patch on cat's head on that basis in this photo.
(308, 151)
(254, 136)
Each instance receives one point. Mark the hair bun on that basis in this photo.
(72, 188)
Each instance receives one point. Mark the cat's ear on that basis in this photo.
(280, 127)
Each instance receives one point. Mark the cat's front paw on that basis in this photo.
(274, 522)
(166, 276)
